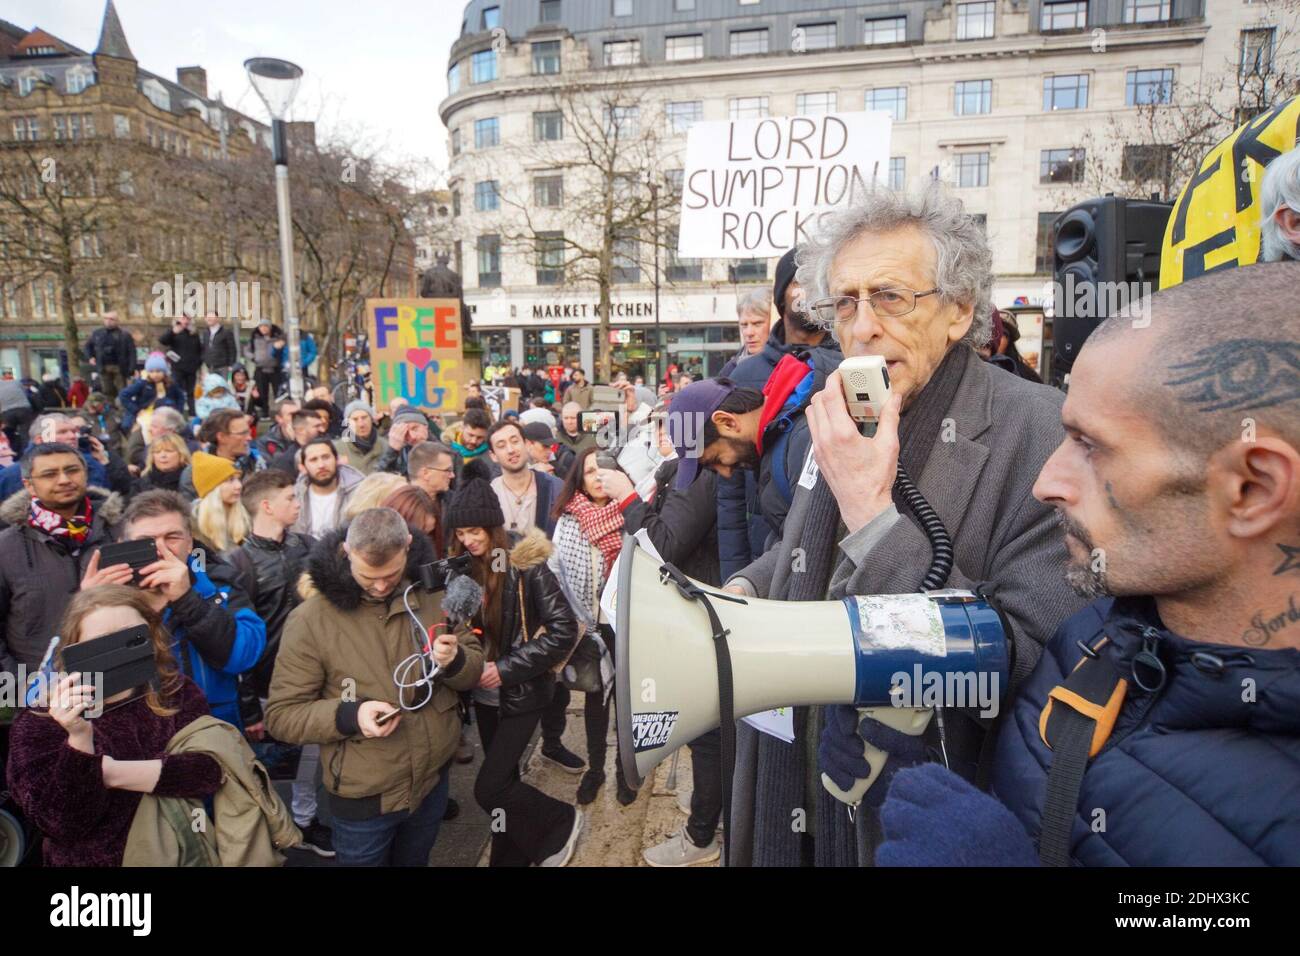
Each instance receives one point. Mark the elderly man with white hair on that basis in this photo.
(1279, 201)
(908, 278)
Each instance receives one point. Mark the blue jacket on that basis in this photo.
(11, 478)
(1192, 775)
(217, 634)
(141, 394)
(307, 352)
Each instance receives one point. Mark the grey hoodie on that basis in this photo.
(349, 478)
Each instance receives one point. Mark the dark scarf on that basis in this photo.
(783, 768)
(366, 444)
(72, 531)
(170, 480)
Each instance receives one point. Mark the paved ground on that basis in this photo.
(613, 835)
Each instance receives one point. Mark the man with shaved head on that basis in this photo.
(1171, 736)
(571, 440)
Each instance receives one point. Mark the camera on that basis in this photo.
(435, 574)
(83, 438)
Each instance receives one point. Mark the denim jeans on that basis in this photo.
(400, 838)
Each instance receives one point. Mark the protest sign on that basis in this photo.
(416, 353)
(753, 188)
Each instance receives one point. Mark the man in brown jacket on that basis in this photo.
(386, 776)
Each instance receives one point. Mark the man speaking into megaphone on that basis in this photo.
(907, 278)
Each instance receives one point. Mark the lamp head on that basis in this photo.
(276, 82)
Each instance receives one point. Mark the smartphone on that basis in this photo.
(866, 387)
(125, 658)
(138, 554)
(385, 718)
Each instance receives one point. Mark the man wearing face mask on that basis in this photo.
(908, 278)
(387, 782)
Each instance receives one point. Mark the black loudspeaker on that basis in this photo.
(1105, 253)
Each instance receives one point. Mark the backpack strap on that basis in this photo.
(779, 475)
(1076, 723)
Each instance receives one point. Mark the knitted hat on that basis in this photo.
(357, 405)
(156, 362)
(209, 471)
(474, 504)
(409, 413)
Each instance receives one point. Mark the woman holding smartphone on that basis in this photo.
(80, 781)
(528, 629)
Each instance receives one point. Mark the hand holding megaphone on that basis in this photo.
(859, 742)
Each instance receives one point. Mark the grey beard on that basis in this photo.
(1087, 583)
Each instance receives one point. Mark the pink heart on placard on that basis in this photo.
(420, 358)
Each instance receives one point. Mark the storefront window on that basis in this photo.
(496, 347)
(10, 360)
(543, 347)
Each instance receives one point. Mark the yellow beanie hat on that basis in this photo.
(209, 471)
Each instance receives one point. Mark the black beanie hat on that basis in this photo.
(474, 504)
(785, 270)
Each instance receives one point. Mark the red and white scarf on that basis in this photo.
(75, 529)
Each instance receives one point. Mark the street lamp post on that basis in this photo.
(276, 82)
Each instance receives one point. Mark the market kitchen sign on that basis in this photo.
(757, 187)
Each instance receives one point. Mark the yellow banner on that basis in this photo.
(1215, 223)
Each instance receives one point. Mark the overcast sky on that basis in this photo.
(378, 66)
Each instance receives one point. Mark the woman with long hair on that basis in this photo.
(588, 536)
(420, 512)
(165, 460)
(80, 782)
(220, 520)
(528, 629)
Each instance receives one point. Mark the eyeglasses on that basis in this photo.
(891, 302)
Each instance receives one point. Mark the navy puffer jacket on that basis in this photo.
(1192, 775)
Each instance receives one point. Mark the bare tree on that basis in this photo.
(582, 204)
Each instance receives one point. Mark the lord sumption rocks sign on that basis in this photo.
(416, 353)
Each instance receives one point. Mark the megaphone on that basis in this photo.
(939, 648)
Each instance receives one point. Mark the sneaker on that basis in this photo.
(452, 811)
(565, 759)
(678, 850)
(565, 853)
(591, 783)
(318, 838)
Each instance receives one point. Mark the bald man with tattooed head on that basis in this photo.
(1176, 741)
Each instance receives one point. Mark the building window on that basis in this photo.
(455, 141)
(489, 261)
(546, 58)
(483, 66)
(1061, 166)
(897, 172)
(1068, 92)
(1070, 15)
(1257, 51)
(673, 179)
(551, 12)
(972, 97)
(622, 8)
(548, 126)
(1146, 11)
(622, 121)
(77, 80)
(815, 104)
(683, 115)
(487, 198)
(622, 52)
(548, 191)
(748, 107)
(689, 47)
(26, 83)
(891, 99)
(453, 78)
(59, 126)
(487, 132)
(974, 20)
(626, 263)
(455, 203)
(748, 270)
(819, 36)
(972, 170)
(491, 18)
(1148, 163)
(745, 42)
(157, 94)
(1145, 87)
(1045, 244)
(681, 268)
(681, 6)
(26, 128)
(885, 30)
(121, 126)
(550, 258)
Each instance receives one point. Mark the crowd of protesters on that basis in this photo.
(290, 536)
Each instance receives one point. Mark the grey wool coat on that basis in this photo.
(1002, 430)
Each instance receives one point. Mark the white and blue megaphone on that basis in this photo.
(900, 655)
